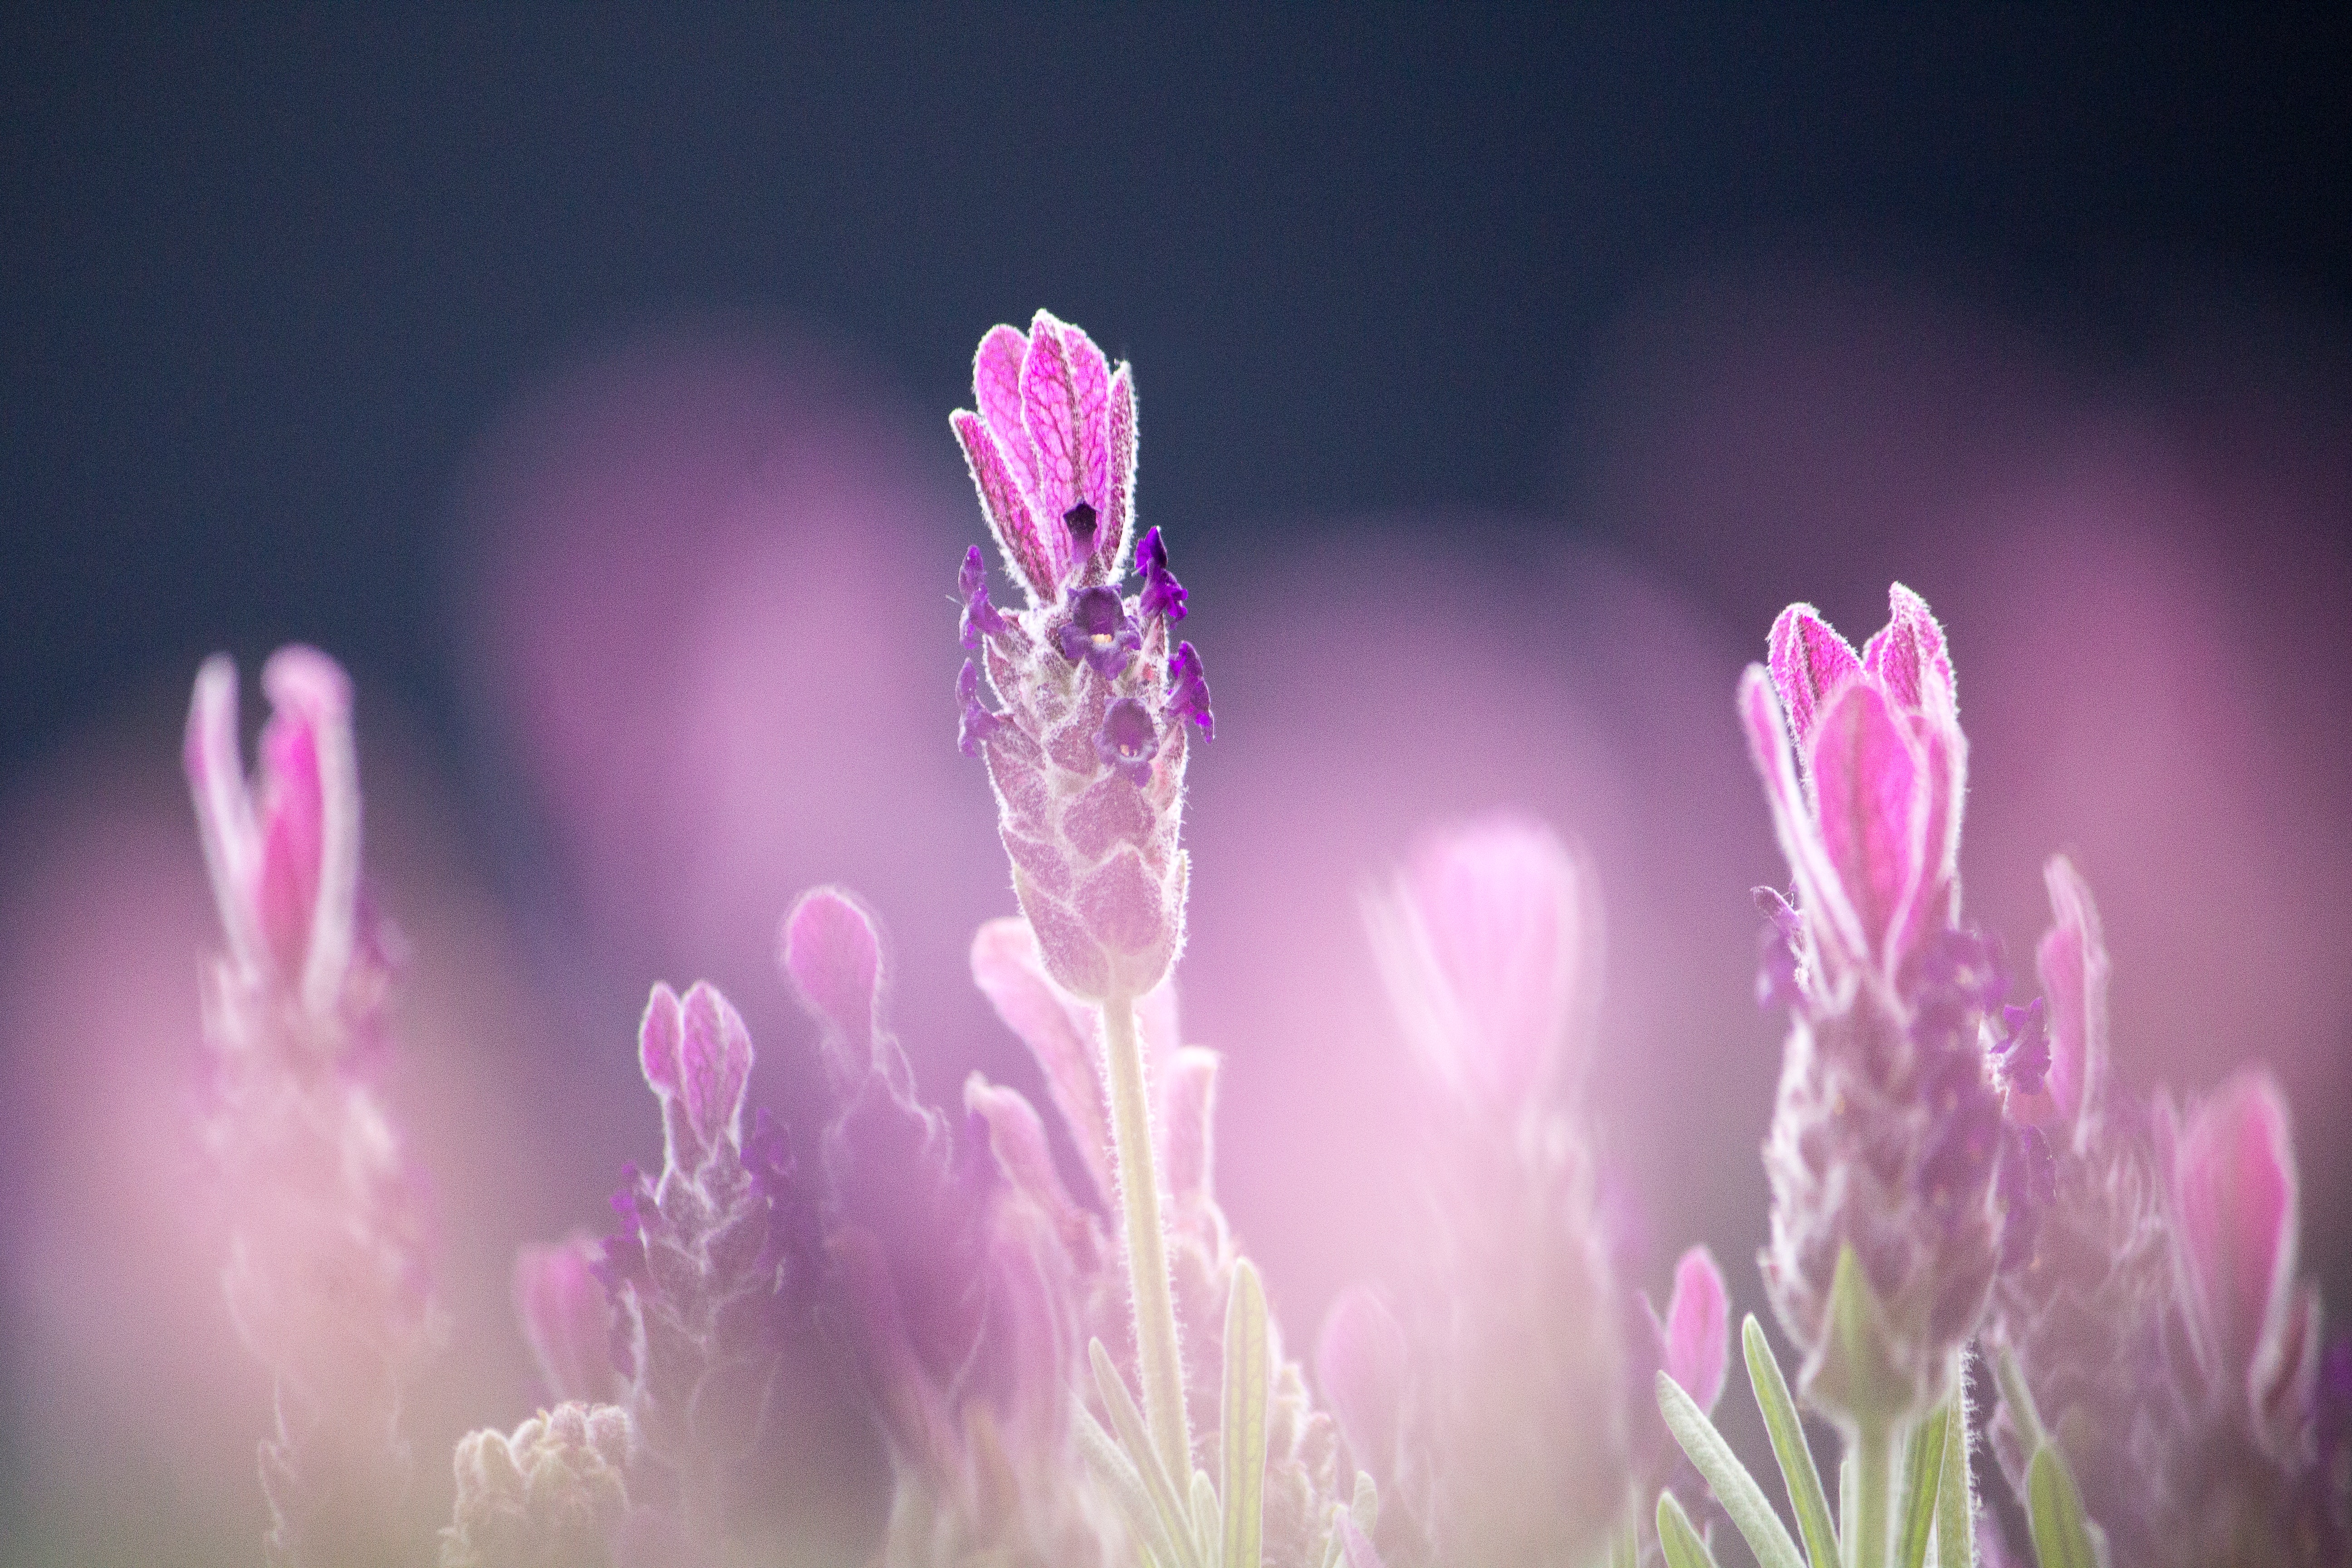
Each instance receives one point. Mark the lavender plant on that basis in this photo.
(1075, 1366)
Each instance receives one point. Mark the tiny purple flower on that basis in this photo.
(1163, 595)
(980, 618)
(1127, 740)
(1098, 634)
(1188, 691)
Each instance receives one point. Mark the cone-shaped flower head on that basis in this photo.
(1094, 697)
(1888, 1133)
(554, 1495)
(1485, 940)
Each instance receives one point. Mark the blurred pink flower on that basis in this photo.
(2234, 1203)
(1487, 939)
(567, 1318)
(1695, 1336)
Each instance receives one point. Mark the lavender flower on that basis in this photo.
(712, 1269)
(554, 1495)
(1087, 751)
(1887, 1134)
(328, 1279)
(955, 1255)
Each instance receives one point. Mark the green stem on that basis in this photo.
(1874, 1522)
(1158, 1350)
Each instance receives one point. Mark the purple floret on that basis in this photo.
(980, 618)
(1188, 692)
(1163, 595)
(1099, 633)
(2022, 1058)
(978, 724)
(1128, 740)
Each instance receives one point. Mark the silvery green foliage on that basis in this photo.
(554, 1495)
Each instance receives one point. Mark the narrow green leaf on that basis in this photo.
(1849, 1506)
(1626, 1546)
(1135, 1438)
(2062, 1536)
(1683, 1546)
(1242, 1418)
(1117, 1472)
(1208, 1527)
(1789, 1446)
(1956, 1525)
(1741, 1497)
(1923, 1478)
(2018, 1400)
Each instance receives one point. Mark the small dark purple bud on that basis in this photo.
(980, 618)
(2022, 1058)
(1099, 633)
(1163, 595)
(1188, 691)
(978, 724)
(1080, 520)
(1127, 740)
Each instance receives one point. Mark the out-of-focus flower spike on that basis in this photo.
(915, 1417)
(1829, 917)
(832, 953)
(1909, 655)
(1871, 799)
(1485, 941)
(1118, 491)
(1697, 1332)
(1360, 1363)
(2073, 961)
(311, 841)
(1811, 663)
(225, 818)
(1187, 1124)
(1016, 1136)
(1003, 499)
(566, 1316)
(1009, 973)
(2235, 1206)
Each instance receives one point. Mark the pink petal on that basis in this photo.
(1483, 943)
(1829, 916)
(1049, 407)
(564, 1314)
(312, 694)
(1811, 663)
(830, 949)
(1006, 967)
(1118, 488)
(1699, 1328)
(1090, 396)
(1016, 1136)
(1873, 803)
(293, 833)
(2073, 961)
(1360, 1363)
(225, 819)
(1187, 1124)
(996, 390)
(1908, 654)
(715, 1061)
(658, 1042)
(1010, 516)
(2234, 1195)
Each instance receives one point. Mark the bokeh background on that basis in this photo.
(580, 379)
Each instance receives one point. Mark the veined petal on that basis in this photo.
(1829, 916)
(1009, 517)
(2235, 1206)
(1811, 663)
(2073, 961)
(829, 948)
(309, 693)
(225, 818)
(1118, 504)
(1872, 797)
(1049, 407)
(996, 392)
(1909, 657)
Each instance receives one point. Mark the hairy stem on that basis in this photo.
(1873, 1522)
(1157, 1347)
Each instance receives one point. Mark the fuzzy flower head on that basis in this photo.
(1888, 1137)
(283, 849)
(1081, 702)
(1485, 941)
